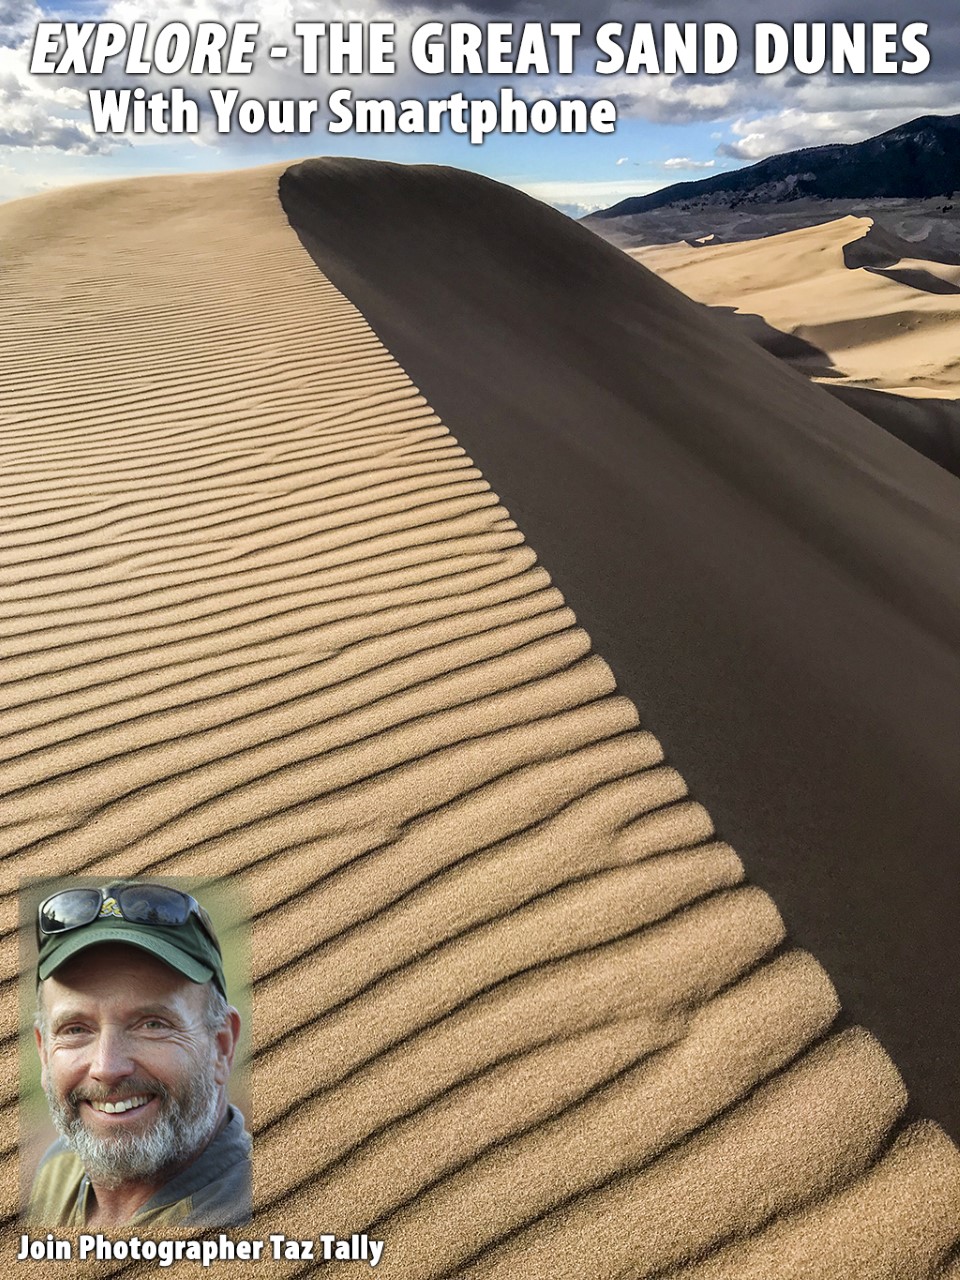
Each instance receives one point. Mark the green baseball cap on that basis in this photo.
(165, 922)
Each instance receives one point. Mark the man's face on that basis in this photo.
(134, 1077)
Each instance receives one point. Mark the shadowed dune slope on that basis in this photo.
(515, 1009)
(928, 425)
(772, 578)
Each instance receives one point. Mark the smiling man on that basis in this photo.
(136, 1043)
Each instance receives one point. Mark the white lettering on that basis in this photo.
(912, 37)
(46, 45)
(771, 48)
(223, 101)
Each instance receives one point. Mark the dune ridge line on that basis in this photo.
(516, 1011)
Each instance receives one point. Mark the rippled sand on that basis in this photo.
(516, 1011)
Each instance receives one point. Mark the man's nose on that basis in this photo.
(112, 1058)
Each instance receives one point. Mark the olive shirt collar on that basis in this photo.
(229, 1148)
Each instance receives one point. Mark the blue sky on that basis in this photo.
(670, 128)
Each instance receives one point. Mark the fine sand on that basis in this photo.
(931, 225)
(883, 313)
(517, 1011)
(851, 305)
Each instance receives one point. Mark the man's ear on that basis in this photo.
(42, 1050)
(225, 1040)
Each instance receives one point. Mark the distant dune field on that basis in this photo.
(850, 304)
(517, 1009)
(886, 314)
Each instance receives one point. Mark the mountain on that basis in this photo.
(914, 161)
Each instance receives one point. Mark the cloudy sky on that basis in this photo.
(671, 127)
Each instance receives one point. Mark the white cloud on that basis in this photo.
(794, 128)
(769, 114)
(684, 162)
(579, 198)
(17, 20)
(829, 109)
(667, 99)
(43, 113)
(52, 111)
(791, 129)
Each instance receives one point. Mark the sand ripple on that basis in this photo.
(516, 1011)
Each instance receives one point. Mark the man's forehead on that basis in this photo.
(116, 970)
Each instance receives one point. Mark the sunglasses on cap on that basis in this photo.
(149, 904)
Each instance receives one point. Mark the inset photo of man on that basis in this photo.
(137, 1040)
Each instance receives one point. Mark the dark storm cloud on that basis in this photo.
(741, 13)
(943, 16)
(740, 92)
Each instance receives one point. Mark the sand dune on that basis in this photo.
(517, 1010)
(746, 554)
(852, 305)
(886, 315)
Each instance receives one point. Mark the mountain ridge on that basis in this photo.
(916, 160)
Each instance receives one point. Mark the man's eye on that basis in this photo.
(153, 1024)
(75, 1029)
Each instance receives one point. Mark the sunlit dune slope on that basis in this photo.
(884, 313)
(516, 1010)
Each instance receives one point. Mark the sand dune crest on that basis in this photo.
(515, 1008)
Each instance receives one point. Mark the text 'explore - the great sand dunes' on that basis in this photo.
(332, 50)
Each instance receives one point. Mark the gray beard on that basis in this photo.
(179, 1132)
